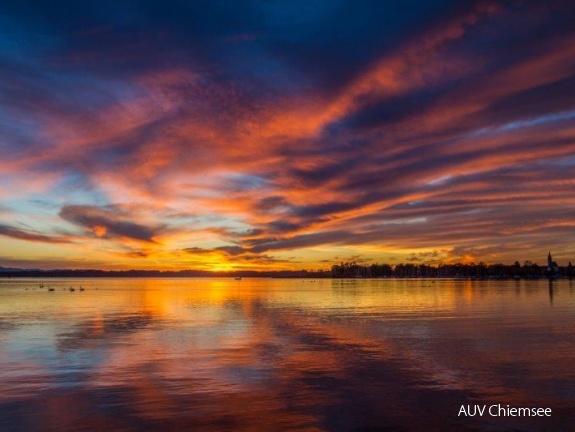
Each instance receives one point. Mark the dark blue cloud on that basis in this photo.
(321, 43)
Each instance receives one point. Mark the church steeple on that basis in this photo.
(552, 267)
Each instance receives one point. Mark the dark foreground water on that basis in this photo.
(273, 355)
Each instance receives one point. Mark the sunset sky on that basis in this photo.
(287, 134)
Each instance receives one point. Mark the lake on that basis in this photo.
(285, 354)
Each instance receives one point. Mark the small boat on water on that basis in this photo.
(50, 289)
(72, 289)
(238, 278)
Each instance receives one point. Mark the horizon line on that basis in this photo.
(429, 265)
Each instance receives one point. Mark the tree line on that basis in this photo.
(528, 270)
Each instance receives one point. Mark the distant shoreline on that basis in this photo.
(347, 270)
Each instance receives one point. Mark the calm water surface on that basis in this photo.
(281, 354)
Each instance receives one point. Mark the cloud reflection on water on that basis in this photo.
(271, 354)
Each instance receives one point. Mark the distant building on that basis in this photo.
(552, 267)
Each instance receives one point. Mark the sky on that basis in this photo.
(293, 134)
